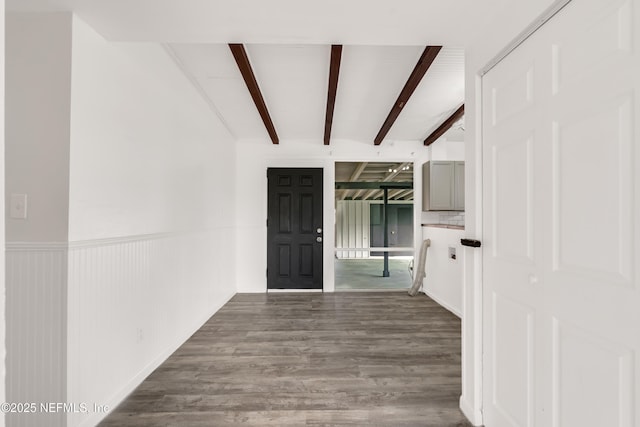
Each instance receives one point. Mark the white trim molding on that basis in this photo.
(474, 415)
(442, 302)
(549, 13)
(36, 246)
(94, 243)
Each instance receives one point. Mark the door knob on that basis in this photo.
(319, 231)
(319, 239)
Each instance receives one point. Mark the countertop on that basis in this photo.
(453, 227)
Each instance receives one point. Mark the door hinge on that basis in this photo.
(267, 273)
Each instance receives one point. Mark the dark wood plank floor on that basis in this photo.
(356, 359)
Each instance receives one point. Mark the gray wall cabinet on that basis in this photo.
(443, 185)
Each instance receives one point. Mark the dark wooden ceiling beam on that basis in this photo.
(240, 55)
(334, 71)
(425, 61)
(457, 115)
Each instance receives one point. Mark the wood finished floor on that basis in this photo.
(356, 359)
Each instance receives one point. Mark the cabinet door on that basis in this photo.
(441, 181)
(458, 202)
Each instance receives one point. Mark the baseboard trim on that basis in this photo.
(442, 303)
(125, 391)
(473, 415)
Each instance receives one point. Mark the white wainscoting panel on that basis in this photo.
(134, 301)
(88, 321)
(352, 227)
(36, 330)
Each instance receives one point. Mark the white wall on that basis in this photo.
(130, 235)
(38, 88)
(254, 157)
(513, 18)
(147, 154)
(443, 149)
(151, 215)
(37, 103)
(443, 281)
(3, 349)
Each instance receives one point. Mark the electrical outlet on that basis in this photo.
(18, 206)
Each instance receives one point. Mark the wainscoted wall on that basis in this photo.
(132, 301)
(353, 221)
(444, 275)
(3, 336)
(36, 329)
(352, 227)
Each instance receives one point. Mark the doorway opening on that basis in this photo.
(374, 225)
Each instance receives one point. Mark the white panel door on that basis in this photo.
(561, 297)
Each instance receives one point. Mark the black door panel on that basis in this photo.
(294, 229)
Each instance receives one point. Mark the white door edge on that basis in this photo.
(549, 13)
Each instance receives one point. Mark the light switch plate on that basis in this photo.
(18, 206)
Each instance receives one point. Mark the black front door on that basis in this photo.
(294, 228)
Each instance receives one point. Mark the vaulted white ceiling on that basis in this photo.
(294, 78)
(288, 45)
(349, 22)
